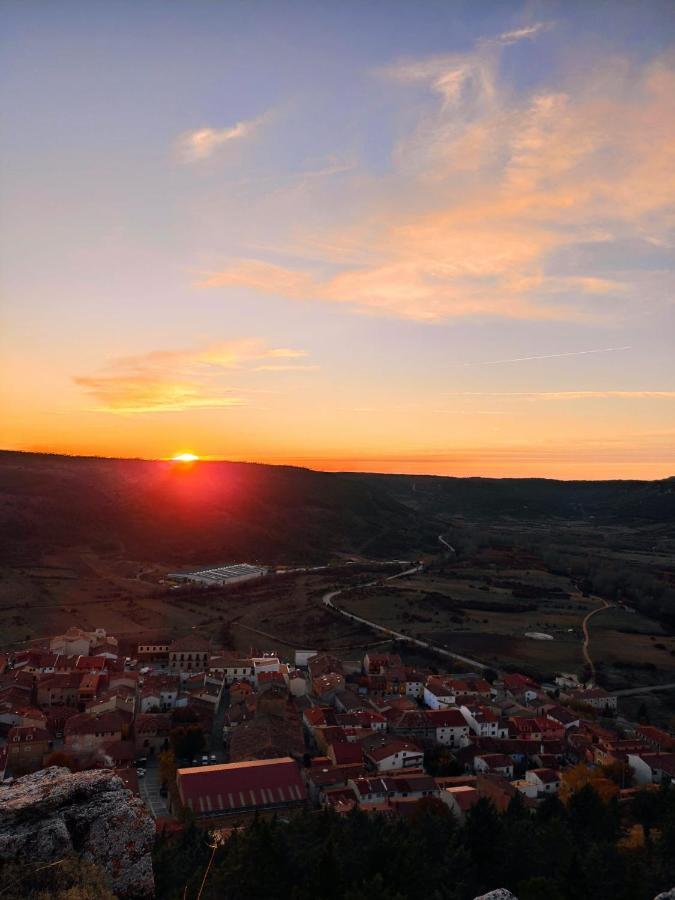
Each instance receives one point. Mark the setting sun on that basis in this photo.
(185, 457)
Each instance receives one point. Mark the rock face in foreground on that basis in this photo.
(55, 812)
(498, 894)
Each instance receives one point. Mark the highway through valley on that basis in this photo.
(328, 600)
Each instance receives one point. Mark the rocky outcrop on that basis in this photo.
(498, 894)
(55, 812)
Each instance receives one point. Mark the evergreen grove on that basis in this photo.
(585, 849)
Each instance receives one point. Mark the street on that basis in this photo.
(149, 787)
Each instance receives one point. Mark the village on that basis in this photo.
(211, 734)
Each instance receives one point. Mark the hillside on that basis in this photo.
(222, 511)
(205, 513)
(621, 502)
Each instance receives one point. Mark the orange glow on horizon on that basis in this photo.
(185, 458)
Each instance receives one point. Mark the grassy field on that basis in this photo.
(282, 611)
(474, 609)
(536, 560)
(477, 614)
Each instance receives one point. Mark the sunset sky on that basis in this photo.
(388, 236)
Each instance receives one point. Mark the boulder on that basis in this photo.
(498, 894)
(55, 811)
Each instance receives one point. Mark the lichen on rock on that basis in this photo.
(498, 894)
(55, 812)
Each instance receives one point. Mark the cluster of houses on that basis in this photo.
(78, 696)
(365, 732)
(373, 733)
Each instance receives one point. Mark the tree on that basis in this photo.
(619, 772)
(373, 889)
(483, 832)
(580, 776)
(167, 767)
(226, 635)
(646, 810)
(590, 816)
(539, 888)
(187, 740)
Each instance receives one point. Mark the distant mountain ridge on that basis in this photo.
(223, 511)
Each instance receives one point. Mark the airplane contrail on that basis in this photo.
(496, 362)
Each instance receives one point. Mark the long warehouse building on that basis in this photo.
(220, 575)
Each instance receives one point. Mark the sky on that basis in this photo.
(431, 237)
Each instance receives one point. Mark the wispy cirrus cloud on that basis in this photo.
(201, 143)
(572, 395)
(518, 359)
(495, 195)
(520, 34)
(176, 380)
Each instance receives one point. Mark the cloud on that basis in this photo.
(281, 367)
(572, 395)
(519, 34)
(193, 146)
(145, 392)
(493, 196)
(517, 359)
(175, 380)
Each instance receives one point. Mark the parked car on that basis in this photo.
(205, 760)
(213, 757)
(140, 773)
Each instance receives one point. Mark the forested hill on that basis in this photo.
(223, 511)
(202, 513)
(625, 502)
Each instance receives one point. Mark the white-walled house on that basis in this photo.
(75, 642)
(460, 799)
(451, 727)
(539, 783)
(652, 768)
(231, 668)
(484, 723)
(389, 754)
(414, 684)
(494, 762)
(297, 683)
(438, 695)
(265, 664)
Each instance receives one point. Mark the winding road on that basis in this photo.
(587, 637)
(448, 546)
(629, 692)
(329, 597)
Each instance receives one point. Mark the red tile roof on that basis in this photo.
(446, 718)
(346, 754)
(238, 786)
(464, 796)
(88, 724)
(548, 776)
(26, 733)
(379, 748)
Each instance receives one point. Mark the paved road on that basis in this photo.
(216, 741)
(587, 637)
(448, 546)
(149, 790)
(328, 598)
(628, 692)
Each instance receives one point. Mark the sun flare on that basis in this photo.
(185, 457)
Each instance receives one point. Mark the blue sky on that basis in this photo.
(376, 234)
